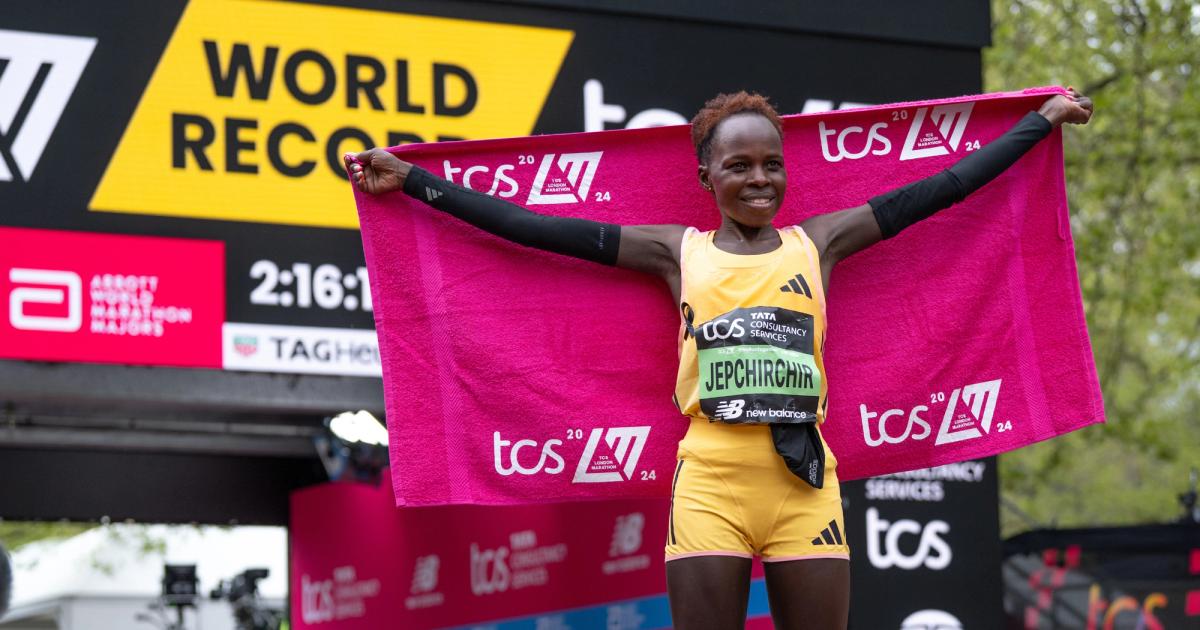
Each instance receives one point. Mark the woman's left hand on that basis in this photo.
(1075, 108)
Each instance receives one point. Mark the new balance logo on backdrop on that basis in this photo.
(424, 593)
(40, 74)
(425, 574)
(797, 285)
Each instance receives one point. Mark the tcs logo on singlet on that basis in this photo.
(722, 329)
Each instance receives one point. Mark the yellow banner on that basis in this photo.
(253, 104)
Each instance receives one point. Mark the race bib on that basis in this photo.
(756, 366)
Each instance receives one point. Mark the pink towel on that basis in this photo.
(513, 375)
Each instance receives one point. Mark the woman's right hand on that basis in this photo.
(376, 171)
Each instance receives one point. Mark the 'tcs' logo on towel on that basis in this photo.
(932, 132)
(972, 421)
(514, 459)
(567, 179)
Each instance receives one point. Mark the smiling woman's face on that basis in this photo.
(745, 169)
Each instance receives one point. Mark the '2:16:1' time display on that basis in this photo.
(302, 286)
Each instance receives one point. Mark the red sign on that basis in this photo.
(359, 562)
(103, 298)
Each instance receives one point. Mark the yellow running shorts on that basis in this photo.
(732, 495)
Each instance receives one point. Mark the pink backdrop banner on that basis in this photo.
(513, 375)
(111, 298)
(358, 562)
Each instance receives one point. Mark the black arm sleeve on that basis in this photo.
(902, 207)
(589, 240)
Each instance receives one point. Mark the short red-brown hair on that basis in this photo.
(723, 106)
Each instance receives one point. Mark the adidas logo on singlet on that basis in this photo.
(797, 285)
(431, 194)
(830, 535)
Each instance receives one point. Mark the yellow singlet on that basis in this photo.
(758, 327)
(750, 353)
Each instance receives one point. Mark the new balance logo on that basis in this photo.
(730, 409)
(425, 574)
(941, 136)
(579, 170)
(625, 445)
(40, 73)
(797, 285)
(831, 535)
(431, 194)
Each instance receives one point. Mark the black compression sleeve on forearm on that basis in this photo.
(580, 238)
(902, 207)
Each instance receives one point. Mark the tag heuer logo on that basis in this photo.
(245, 345)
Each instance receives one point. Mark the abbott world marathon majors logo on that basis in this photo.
(40, 72)
(522, 563)
(968, 415)
(253, 104)
(344, 596)
(611, 454)
(110, 298)
(931, 132)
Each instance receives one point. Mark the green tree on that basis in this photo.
(1133, 181)
(16, 534)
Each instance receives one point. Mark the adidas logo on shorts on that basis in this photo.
(830, 535)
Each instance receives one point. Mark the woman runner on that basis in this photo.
(753, 477)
